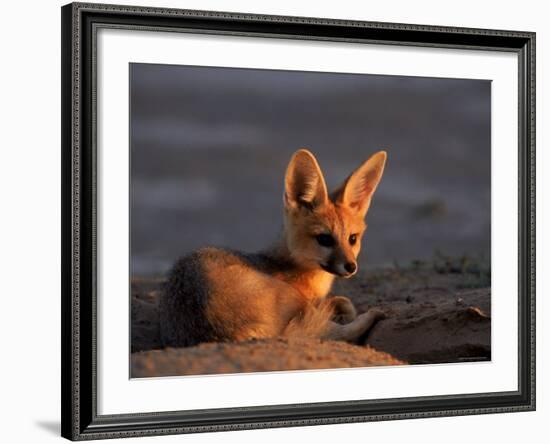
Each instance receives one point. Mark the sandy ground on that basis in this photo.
(436, 312)
(256, 356)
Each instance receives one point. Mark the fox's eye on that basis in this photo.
(325, 240)
(353, 239)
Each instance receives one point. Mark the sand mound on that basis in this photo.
(256, 356)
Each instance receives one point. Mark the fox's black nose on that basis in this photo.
(350, 267)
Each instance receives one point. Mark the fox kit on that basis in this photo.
(221, 295)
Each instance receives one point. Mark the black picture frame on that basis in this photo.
(78, 333)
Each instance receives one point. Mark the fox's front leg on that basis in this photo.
(344, 310)
(356, 328)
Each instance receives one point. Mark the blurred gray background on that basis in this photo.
(209, 148)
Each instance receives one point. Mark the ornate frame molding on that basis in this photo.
(80, 22)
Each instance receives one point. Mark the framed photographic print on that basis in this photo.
(279, 221)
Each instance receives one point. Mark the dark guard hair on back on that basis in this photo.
(183, 319)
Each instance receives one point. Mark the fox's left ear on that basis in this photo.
(356, 192)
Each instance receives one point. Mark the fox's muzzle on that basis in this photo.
(343, 269)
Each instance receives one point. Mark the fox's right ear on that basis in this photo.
(304, 182)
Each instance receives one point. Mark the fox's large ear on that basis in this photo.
(304, 182)
(357, 190)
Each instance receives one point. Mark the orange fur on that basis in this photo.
(215, 294)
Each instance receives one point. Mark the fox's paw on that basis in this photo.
(344, 310)
(377, 314)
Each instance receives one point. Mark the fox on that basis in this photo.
(221, 295)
